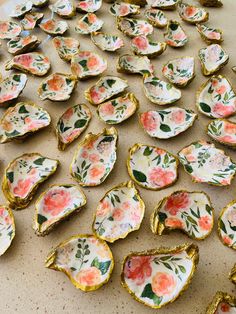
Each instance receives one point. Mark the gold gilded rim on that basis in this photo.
(155, 23)
(232, 274)
(94, 34)
(168, 30)
(163, 46)
(207, 39)
(140, 3)
(205, 19)
(8, 209)
(218, 298)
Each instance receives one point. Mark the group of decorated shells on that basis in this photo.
(155, 277)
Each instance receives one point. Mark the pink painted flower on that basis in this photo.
(84, 154)
(138, 268)
(227, 240)
(97, 171)
(221, 90)
(205, 223)
(190, 11)
(163, 284)
(220, 110)
(140, 42)
(25, 60)
(177, 202)
(178, 116)
(179, 35)
(118, 214)
(107, 109)
(68, 114)
(123, 10)
(135, 215)
(213, 35)
(89, 277)
(126, 205)
(103, 208)
(226, 139)
(172, 222)
(56, 201)
(225, 308)
(148, 121)
(95, 95)
(23, 187)
(230, 128)
(92, 62)
(160, 178)
(94, 158)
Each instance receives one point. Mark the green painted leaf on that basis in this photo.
(222, 226)
(205, 107)
(111, 82)
(148, 293)
(165, 128)
(147, 151)
(182, 268)
(39, 161)
(139, 176)
(16, 78)
(188, 168)
(104, 266)
(162, 216)
(23, 109)
(80, 123)
(41, 219)
(10, 176)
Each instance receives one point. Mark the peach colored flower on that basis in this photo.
(205, 223)
(138, 268)
(95, 95)
(163, 284)
(227, 139)
(220, 110)
(92, 18)
(55, 83)
(177, 202)
(103, 208)
(107, 109)
(84, 154)
(148, 121)
(190, 11)
(89, 277)
(179, 36)
(97, 171)
(118, 214)
(230, 128)
(23, 187)
(56, 201)
(49, 25)
(225, 308)
(140, 42)
(159, 177)
(123, 9)
(83, 4)
(4, 27)
(178, 116)
(6, 97)
(213, 35)
(172, 222)
(227, 240)
(92, 63)
(68, 114)
(71, 136)
(221, 90)
(6, 125)
(214, 82)
(94, 158)
(2, 210)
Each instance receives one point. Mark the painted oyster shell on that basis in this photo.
(119, 109)
(124, 9)
(212, 59)
(227, 225)
(152, 167)
(134, 64)
(216, 98)
(160, 92)
(54, 27)
(163, 4)
(223, 131)
(11, 87)
(222, 303)
(119, 212)
(190, 212)
(107, 42)
(156, 17)
(21, 9)
(71, 124)
(104, 89)
(207, 164)
(19, 45)
(165, 124)
(232, 275)
(57, 87)
(9, 29)
(143, 46)
(20, 121)
(55, 205)
(88, 6)
(171, 267)
(211, 3)
(88, 24)
(95, 157)
(33, 62)
(86, 64)
(134, 27)
(86, 260)
(7, 229)
(179, 71)
(175, 36)
(192, 14)
(23, 176)
(63, 8)
(31, 19)
(66, 47)
(210, 35)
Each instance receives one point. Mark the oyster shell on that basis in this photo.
(119, 212)
(56, 204)
(232, 275)
(31, 19)
(39, 3)
(156, 17)
(134, 27)
(63, 8)
(165, 124)
(57, 87)
(9, 29)
(86, 260)
(124, 9)
(11, 87)
(23, 176)
(222, 303)
(160, 92)
(86, 64)
(175, 35)
(88, 24)
(107, 42)
(19, 45)
(134, 64)
(143, 46)
(227, 225)
(95, 157)
(33, 62)
(54, 27)
(7, 229)
(212, 59)
(211, 3)
(223, 131)
(88, 6)
(21, 9)
(66, 47)
(152, 167)
(71, 124)
(192, 14)
(207, 164)
(190, 212)
(20, 121)
(169, 267)
(216, 98)
(104, 89)
(210, 35)
(163, 4)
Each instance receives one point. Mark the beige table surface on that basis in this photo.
(26, 286)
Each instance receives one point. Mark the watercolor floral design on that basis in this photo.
(227, 225)
(71, 124)
(152, 167)
(163, 4)
(95, 158)
(157, 277)
(54, 27)
(192, 14)
(119, 212)
(88, 24)
(7, 228)
(156, 17)
(222, 303)
(209, 35)
(164, 124)
(88, 6)
(223, 131)
(66, 47)
(31, 19)
(55, 205)
(21, 9)
(225, 308)
(134, 27)
(206, 163)
(175, 35)
(86, 260)
(9, 29)
(216, 98)
(124, 9)
(107, 42)
(19, 45)
(22, 120)
(143, 46)
(63, 8)
(134, 64)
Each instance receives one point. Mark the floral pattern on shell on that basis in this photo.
(20, 45)
(227, 225)
(63, 8)
(152, 167)
(95, 158)
(124, 9)
(9, 29)
(119, 212)
(54, 27)
(20, 121)
(119, 109)
(163, 4)
(71, 124)
(212, 59)
(216, 98)
(134, 27)
(207, 164)
(192, 14)
(159, 276)
(222, 303)
(88, 24)
(11, 87)
(190, 212)
(160, 92)
(143, 46)
(88, 6)
(21, 9)
(168, 123)
(66, 47)
(156, 17)
(134, 65)
(31, 19)
(23, 176)
(232, 275)
(107, 42)
(223, 131)
(57, 87)
(209, 34)
(104, 89)
(7, 228)
(175, 36)
(85, 259)
(56, 204)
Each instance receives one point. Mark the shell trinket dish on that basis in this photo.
(119, 109)
(143, 46)
(56, 204)
(158, 277)
(232, 275)
(134, 65)
(54, 27)
(23, 176)
(151, 167)
(63, 8)
(189, 212)
(88, 24)
(222, 303)
(223, 131)
(21, 9)
(20, 45)
(210, 35)
(71, 124)
(57, 87)
(7, 228)
(31, 19)
(107, 42)
(22, 120)
(156, 17)
(95, 158)
(163, 4)
(85, 259)
(168, 123)
(88, 6)
(134, 27)
(175, 36)
(124, 9)
(207, 164)
(227, 225)
(119, 212)
(192, 14)
(104, 89)
(9, 29)
(216, 98)
(66, 47)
